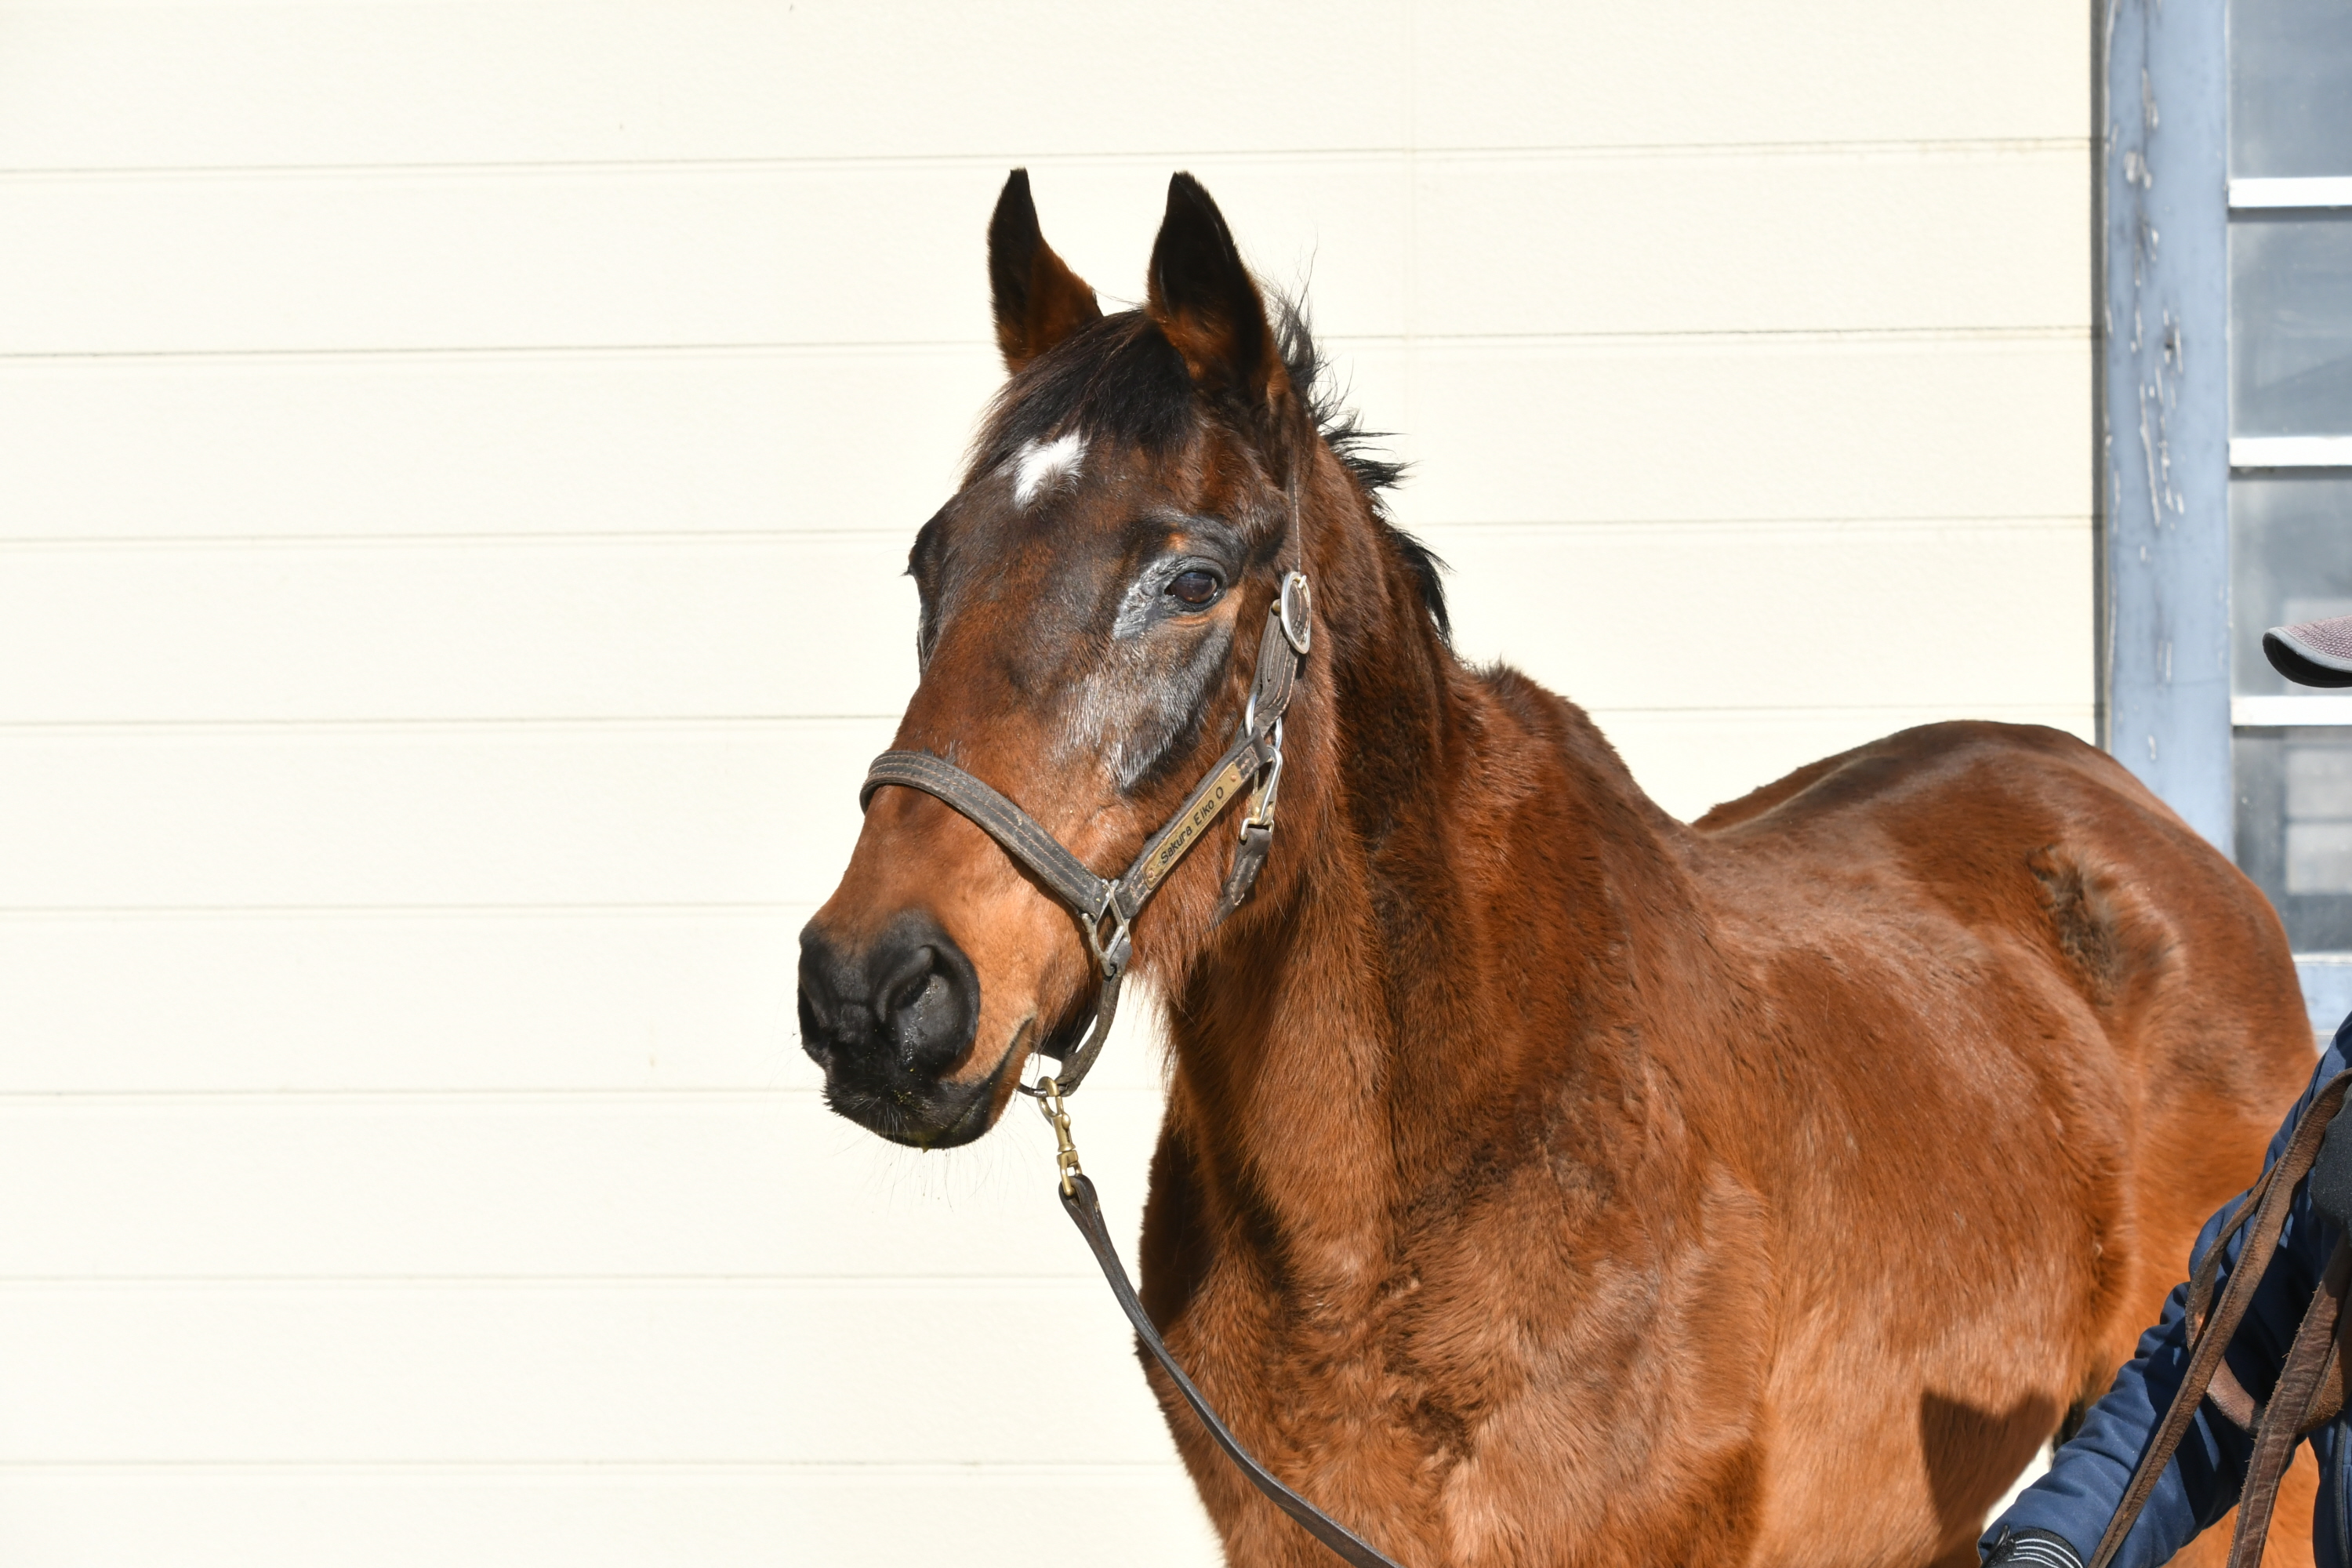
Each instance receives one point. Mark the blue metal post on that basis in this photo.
(2164, 417)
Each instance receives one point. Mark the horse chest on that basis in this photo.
(1522, 1366)
(1473, 1322)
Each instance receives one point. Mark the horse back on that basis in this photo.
(2022, 890)
(2028, 847)
(2021, 1007)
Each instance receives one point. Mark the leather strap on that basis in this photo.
(2208, 1268)
(2267, 1202)
(2245, 1412)
(1249, 858)
(1011, 826)
(1226, 783)
(1085, 1213)
(2284, 1422)
(1081, 1061)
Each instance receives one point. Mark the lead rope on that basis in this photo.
(1085, 1209)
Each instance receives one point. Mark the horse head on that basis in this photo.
(1090, 599)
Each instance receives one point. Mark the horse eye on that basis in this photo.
(1193, 590)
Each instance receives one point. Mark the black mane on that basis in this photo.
(1119, 378)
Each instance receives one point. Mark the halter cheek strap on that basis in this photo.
(1105, 907)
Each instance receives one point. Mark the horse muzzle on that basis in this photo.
(889, 1021)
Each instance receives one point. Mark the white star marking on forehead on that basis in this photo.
(1039, 463)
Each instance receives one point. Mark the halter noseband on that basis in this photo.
(1106, 909)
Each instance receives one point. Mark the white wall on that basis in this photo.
(455, 462)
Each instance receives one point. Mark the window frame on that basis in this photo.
(2162, 198)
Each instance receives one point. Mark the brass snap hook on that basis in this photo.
(1057, 1116)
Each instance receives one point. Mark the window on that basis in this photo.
(2227, 193)
(2290, 326)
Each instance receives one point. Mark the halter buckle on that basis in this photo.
(1111, 953)
(1298, 623)
(1261, 811)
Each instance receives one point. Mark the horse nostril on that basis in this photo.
(812, 1029)
(827, 977)
(905, 992)
(929, 1021)
(928, 1005)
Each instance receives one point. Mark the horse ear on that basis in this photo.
(1039, 301)
(1204, 302)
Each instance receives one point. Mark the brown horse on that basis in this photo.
(1543, 1180)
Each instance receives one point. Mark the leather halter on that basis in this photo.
(1106, 908)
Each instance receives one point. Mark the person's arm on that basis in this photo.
(2072, 1504)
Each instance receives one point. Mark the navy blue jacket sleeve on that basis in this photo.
(2087, 1476)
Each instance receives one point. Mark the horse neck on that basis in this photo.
(1360, 1036)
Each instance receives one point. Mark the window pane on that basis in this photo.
(2290, 113)
(2295, 829)
(2291, 324)
(2319, 819)
(2290, 560)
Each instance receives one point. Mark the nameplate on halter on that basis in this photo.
(1228, 782)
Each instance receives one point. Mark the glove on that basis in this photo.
(2032, 1548)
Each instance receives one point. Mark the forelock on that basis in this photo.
(1120, 380)
(1116, 380)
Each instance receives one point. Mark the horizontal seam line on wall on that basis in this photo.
(33, 728)
(87, 1098)
(1935, 149)
(895, 536)
(2023, 523)
(612, 1468)
(559, 1284)
(1666, 338)
(503, 910)
(553, 539)
(90, 1099)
